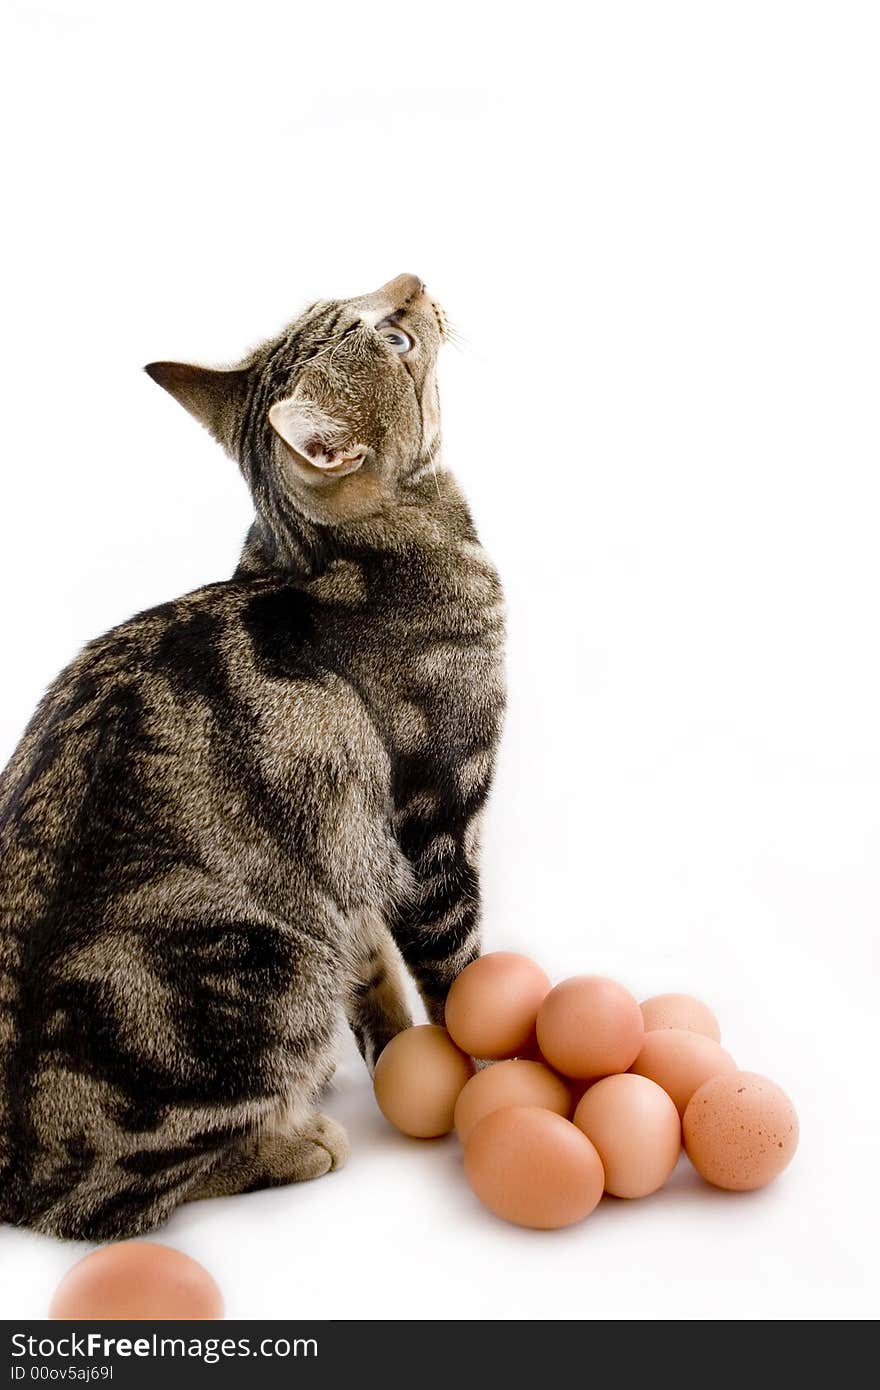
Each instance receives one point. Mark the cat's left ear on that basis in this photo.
(215, 398)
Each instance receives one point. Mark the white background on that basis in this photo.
(658, 234)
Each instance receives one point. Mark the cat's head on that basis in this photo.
(338, 417)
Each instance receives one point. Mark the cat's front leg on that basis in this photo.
(438, 931)
(376, 1006)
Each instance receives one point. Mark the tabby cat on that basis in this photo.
(231, 815)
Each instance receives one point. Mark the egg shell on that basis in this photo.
(636, 1130)
(492, 1005)
(680, 1061)
(534, 1168)
(509, 1083)
(418, 1078)
(136, 1280)
(680, 1011)
(740, 1131)
(590, 1026)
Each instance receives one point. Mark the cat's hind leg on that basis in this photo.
(288, 1148)
(164, 1055)
(140, 1191)
(274, 1159)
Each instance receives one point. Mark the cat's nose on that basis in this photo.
(404, 289)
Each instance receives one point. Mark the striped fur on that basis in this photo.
(230, 817)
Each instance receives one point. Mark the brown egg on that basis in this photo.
(136, 1280)
(740, 1131)
(533, 1168)
(636, 1130)
(418, 1078)
(509, 1083)
(680, 1061)
(492, 1006)
(680, 1011)
(590, 1026)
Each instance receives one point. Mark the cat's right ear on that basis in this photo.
(216, 398)
(320, 448)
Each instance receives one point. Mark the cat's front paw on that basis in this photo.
(377, 1042)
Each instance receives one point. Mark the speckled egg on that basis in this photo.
(740, 1131)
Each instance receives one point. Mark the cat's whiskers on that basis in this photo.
(455, 338)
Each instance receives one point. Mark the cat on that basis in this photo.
(231, 816)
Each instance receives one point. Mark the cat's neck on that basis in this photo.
(304, 550)
(298, 555)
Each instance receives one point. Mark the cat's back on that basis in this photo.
(104, 693)
(150, 712)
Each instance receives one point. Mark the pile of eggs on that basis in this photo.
(587, 1092)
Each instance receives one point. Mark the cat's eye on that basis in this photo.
(396, 338)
